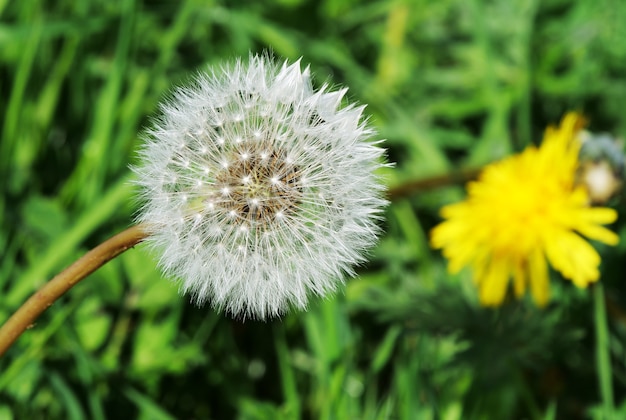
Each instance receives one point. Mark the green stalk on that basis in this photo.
(603, 356)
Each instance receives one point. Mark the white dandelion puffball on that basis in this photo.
(258, 190)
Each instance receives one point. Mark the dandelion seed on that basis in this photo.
(522, 213)
(264, 239)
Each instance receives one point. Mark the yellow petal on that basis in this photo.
(494, 284)
(519, 279)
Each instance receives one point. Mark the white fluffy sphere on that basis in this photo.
(259, 191)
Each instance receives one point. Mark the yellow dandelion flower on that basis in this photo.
(522, 213)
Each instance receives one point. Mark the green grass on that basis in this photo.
(450, 84)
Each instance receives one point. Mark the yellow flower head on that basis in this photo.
(522, 211)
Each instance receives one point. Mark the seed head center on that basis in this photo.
(261, 185)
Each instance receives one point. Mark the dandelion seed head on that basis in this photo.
(273, 184)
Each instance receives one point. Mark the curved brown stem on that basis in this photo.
(24, 317)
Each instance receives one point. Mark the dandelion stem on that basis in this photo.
(451, 178)
(603, 357)
(24, 317)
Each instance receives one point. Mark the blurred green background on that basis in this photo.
(450, 84)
